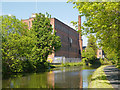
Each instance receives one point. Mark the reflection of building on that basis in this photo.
(71, 40)
(51, 79)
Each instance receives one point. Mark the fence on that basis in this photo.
(65, 60)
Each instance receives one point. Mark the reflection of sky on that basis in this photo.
(11, 85)
(86, 74)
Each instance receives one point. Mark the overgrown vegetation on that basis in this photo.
(26, 50)
(68, 64)
(104, 61)
(89, 55)
(102, 18)
(72, 64)
(46, 42)
(99, 79)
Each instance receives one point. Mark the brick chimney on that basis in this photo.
(80, 37)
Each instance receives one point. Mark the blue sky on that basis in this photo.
(60, 10)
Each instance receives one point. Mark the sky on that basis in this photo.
(61, 10)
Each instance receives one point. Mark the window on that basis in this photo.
(99, 53)
(70, 40)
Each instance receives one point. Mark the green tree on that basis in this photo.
(90, 53)
(92, 43)
(26, 50)
(16, 44)
(102, 19)
(46, 42)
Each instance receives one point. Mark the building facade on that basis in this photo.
(100, 53)
(70, 38)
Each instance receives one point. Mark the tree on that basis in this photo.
(102, 19)
(26, 50)
(46, 42)
(90, 53)
(16, 44)
(92, 43)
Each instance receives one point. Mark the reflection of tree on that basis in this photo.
(89, 78)
(36, 80)
(6, 83)
(71, 78)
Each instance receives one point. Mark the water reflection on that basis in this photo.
(50, 79)
(64, 77)
(86, 76)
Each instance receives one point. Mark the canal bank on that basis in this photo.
(105, 76)
(68, 64)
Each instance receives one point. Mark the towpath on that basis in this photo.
(113, 75)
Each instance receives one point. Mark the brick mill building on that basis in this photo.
(71, 40)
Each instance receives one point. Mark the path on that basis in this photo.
(113, 75)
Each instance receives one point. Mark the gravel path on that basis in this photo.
(113, 75)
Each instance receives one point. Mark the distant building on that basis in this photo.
(100, 53)
(71, 40)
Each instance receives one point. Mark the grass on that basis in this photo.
(72, 64)
(118, 66)
(99, 79)
(69, 64)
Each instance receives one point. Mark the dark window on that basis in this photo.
(99, 53)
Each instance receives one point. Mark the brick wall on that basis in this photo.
(69, 38)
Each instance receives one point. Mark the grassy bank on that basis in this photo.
(73, 64)
(69, 64)
(99, 79)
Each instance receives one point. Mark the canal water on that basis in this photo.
(62, 77)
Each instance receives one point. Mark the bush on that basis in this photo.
(101, 61)
(5, 68)
(28, 66)
(85, 61)
(16, 66)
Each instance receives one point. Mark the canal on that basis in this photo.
(62, 77)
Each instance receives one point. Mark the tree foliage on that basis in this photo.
(16, 44)
(90, 53)
(26, 50)
(102, 19)
(92, 43)
(46, 42)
